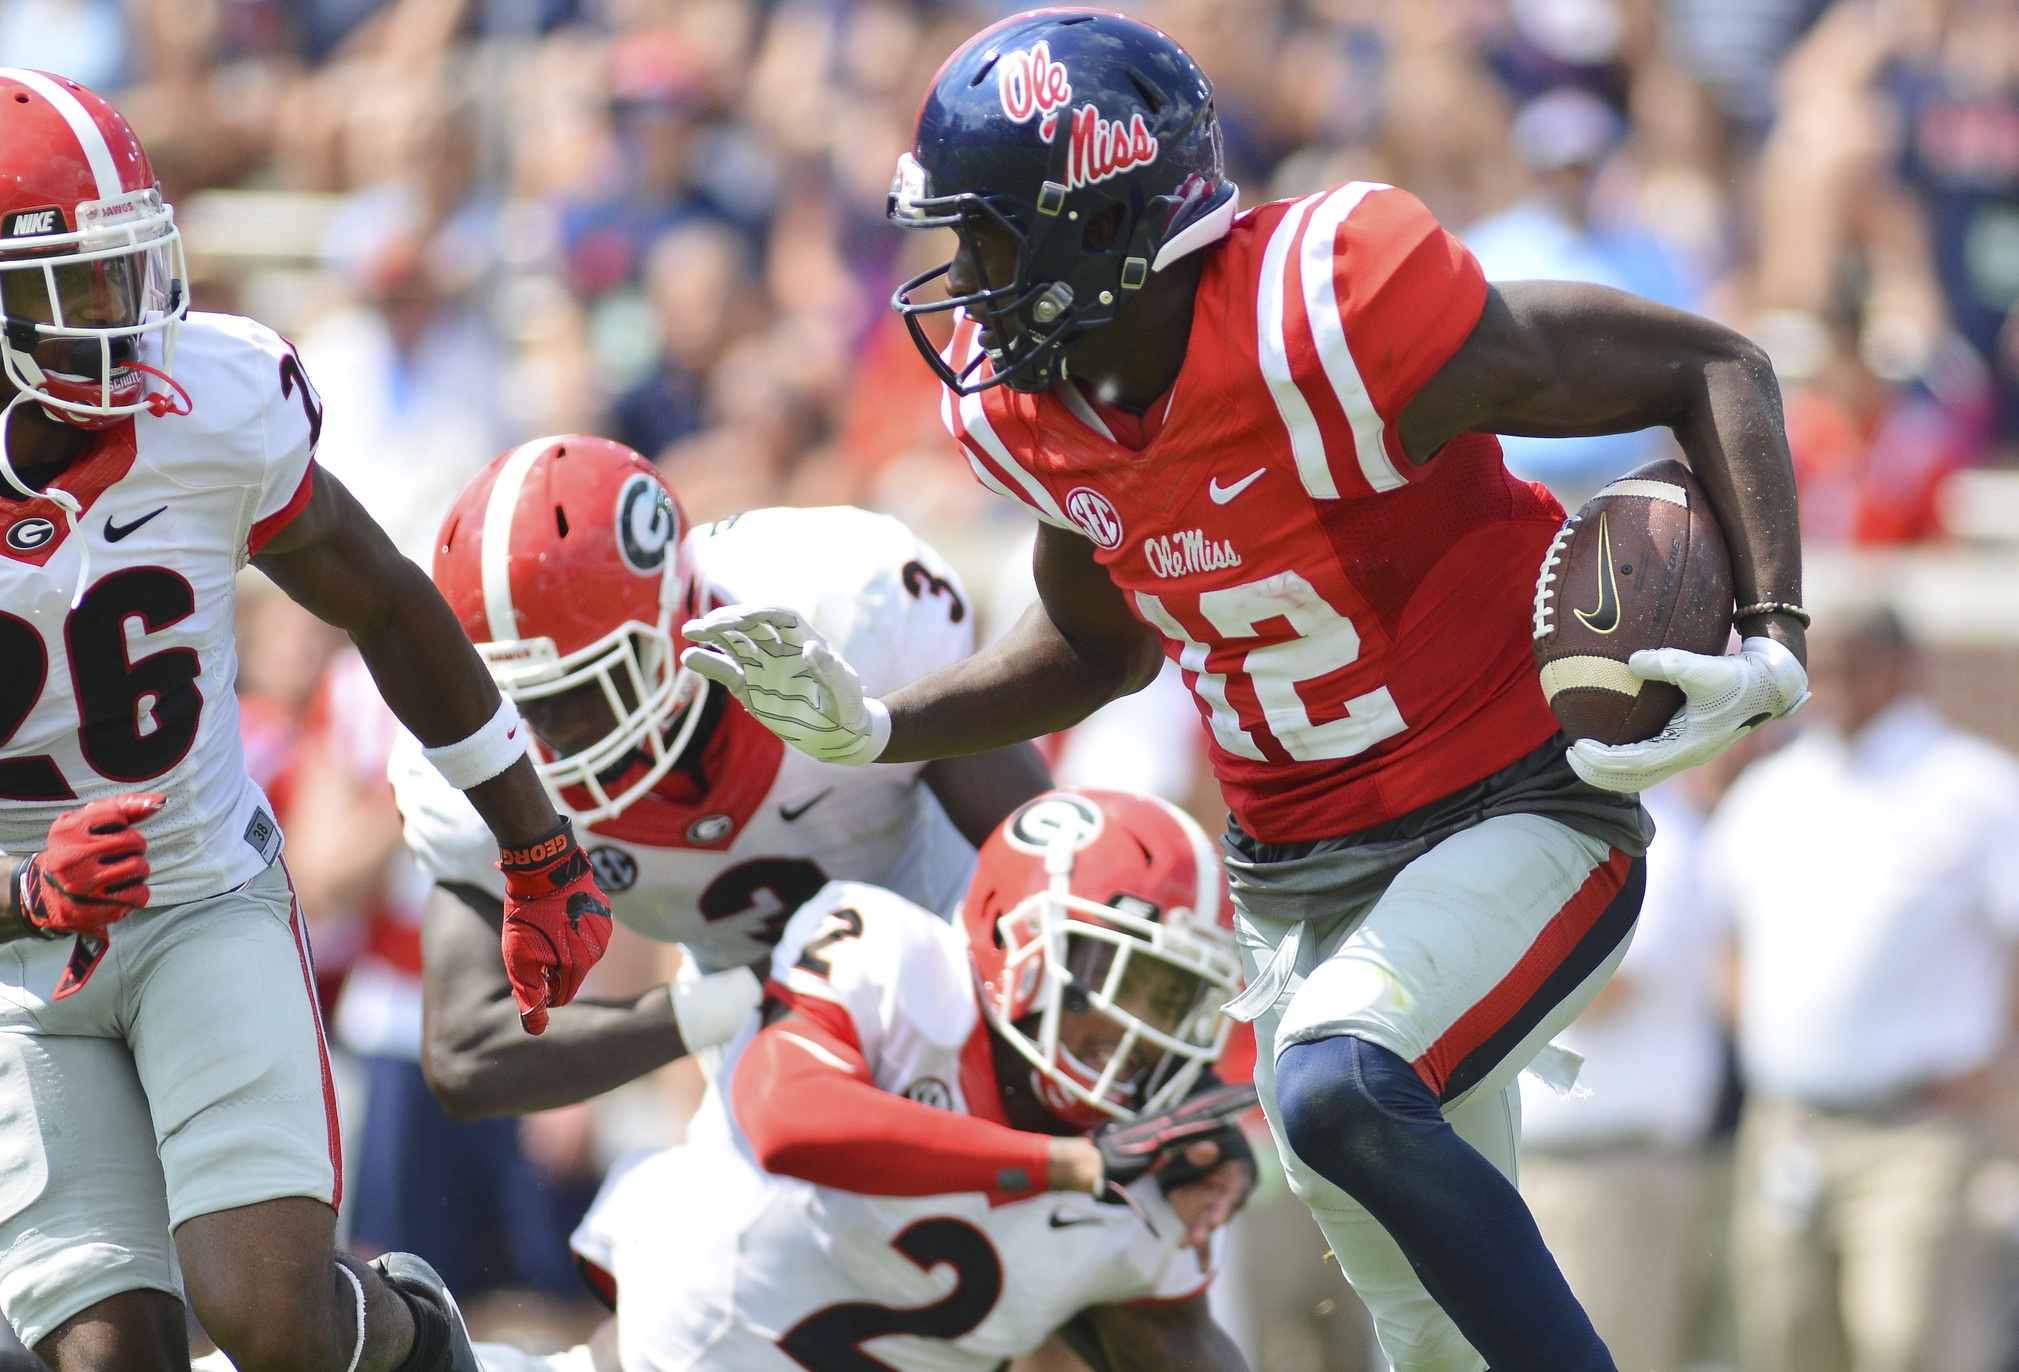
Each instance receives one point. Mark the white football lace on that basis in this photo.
(1545, 604)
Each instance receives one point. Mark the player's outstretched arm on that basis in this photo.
(1557, 359)
(477, 1059)
(335, 561)
(1153, 1337)
(1075, 650)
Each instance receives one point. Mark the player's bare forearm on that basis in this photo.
(478, 1059)
(1554, 359)
(1177, 1337)
(981, 791)
(335, 561)
(1074, 651)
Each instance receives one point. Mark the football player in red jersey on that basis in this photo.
(169, 1121)
(1262, 444)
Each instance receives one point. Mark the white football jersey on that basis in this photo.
(721, 872)
(131, 690)
(722, 1267)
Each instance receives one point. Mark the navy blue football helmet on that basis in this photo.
(1043, 124)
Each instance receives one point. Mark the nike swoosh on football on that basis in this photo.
(1222, 494)
(115, 532)
(1603, 618)
(789, 813)
(1060, 1220)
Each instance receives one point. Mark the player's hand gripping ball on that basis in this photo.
(790, 679)
(1633, 610)
(557, 923)
(93, 873)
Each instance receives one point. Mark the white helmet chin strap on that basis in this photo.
(72, 508)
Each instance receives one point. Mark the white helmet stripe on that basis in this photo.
(495, 553)
(1204, 855)
(89, 136)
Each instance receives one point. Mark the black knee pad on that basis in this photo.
(1351, 1108)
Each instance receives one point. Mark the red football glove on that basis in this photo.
(94, 871)
(557, 923)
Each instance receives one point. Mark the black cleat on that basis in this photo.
(422, 1285)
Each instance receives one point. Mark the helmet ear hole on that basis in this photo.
(1102, 230)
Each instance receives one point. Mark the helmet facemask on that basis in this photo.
(1158, 977)
(91, 314)
(635, 669)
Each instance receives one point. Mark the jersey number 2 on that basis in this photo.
(831, 1340)
(136, 719)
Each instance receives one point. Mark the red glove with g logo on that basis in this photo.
(557, 923)
(94, 871)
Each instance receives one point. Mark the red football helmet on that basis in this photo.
(566, 561)
(1115, 903)
(91, 266)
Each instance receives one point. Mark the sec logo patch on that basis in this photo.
(616, 870)
(1096, 516)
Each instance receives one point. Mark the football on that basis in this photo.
(1642, 565)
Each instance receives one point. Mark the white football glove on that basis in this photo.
(1725, 698)
(790, 679)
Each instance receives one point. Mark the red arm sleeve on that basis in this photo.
(805, 1099)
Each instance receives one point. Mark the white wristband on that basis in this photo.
(870, 747)
(475, 760)
(710, 1007)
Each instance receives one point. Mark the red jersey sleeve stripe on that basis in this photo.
(262, 532)
(1321, 257)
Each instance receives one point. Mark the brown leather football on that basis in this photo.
(1642, 565)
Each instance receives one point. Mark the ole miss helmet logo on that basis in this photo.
(1032, 86)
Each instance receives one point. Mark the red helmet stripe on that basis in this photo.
(90, 138)
(494, 555)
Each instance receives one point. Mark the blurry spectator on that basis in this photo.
(1870, 455)
(703, 291)
(412, 376)
(1871, 868)
(1615, 1174)
(667, 164)
(1564, 138)
(84, 40)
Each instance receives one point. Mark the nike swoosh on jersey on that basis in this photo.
(115, 532)
(1222, 494)
(1603, 618)
(789, 813)
(1061, 1220)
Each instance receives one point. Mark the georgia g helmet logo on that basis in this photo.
(647, 524)
(1096, 516)
(1033, 828)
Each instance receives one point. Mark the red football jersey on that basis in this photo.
(1354, 627)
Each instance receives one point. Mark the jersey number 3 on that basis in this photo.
(831, 1340)
(136, 719)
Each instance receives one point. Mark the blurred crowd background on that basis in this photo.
(662, 220)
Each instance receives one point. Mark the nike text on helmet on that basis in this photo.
(1113, 903)
(566, 562)
(92, 276)
(1046, 125)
